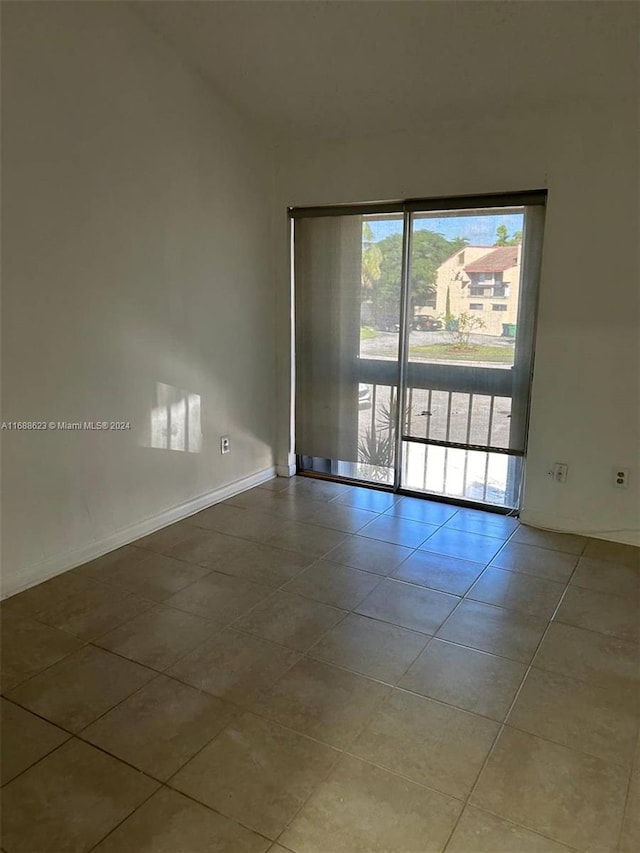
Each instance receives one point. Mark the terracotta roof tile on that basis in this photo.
(500, 259)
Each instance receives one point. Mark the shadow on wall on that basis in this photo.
(175, 420)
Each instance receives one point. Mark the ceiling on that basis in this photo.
(309, 69)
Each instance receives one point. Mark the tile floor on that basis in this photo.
(317, 668)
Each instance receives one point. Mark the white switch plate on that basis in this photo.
(225, 444)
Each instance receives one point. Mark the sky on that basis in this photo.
(477, 229)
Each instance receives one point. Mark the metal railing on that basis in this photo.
(460, 428)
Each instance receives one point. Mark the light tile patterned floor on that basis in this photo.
(318, 668)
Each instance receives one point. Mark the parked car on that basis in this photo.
(387, 323)
(425, 323)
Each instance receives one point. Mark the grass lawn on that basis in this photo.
(366, 333)
(446, 352)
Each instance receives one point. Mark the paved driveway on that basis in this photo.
(385, 345)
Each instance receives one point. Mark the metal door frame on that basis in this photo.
(534, 202)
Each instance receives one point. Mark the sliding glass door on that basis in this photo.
(414, 343)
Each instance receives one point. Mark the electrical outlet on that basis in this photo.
(621, 478)
(225, 444)
(558, 472)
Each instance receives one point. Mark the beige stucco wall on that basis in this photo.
(451, 276)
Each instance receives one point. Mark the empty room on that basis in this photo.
(320, 426)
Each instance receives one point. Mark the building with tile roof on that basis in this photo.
(483, 281)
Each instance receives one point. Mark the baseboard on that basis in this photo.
(60, 563)
(286, 470)
(560, 524)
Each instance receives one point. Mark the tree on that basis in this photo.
(429, 250)
(386, 291)
(371, 258)
(503, 239)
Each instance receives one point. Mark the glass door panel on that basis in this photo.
(348, 285)
(414, 343)
(470, 316)
(380, 319)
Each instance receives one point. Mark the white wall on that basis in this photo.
(586, 402)
(136, 217)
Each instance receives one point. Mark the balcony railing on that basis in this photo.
(444, 416)
(489, 292)
(446, 428)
